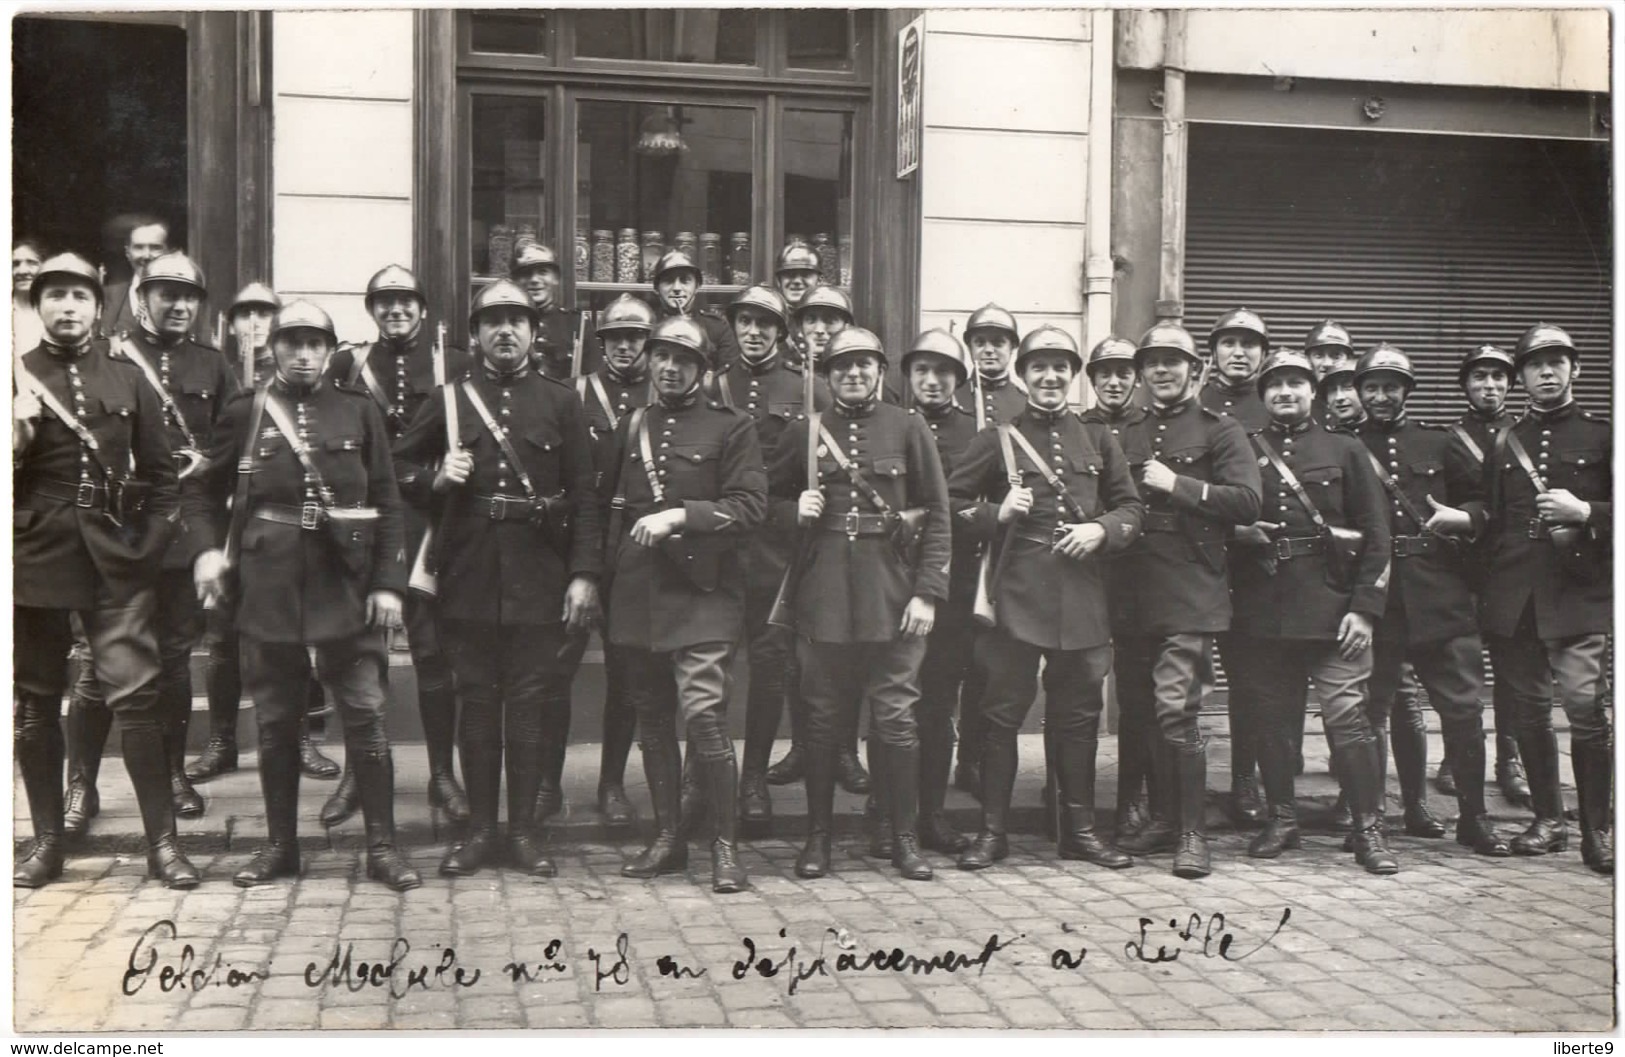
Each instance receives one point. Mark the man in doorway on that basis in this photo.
(148, 239)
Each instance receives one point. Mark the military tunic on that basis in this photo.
(1240, 402)
(1002, 398)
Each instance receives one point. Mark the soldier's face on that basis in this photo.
(24, 266)
(855, 377)
(797, 284)
(1167, 374)
(1547, 376)
(1343, 401)
(172, 307)
(67, 309)
(301, 355)
(932, 379)
(991, 349)
(1048, 376)
(675, 371)
(251, 325)
(144, 244)
(1487, 388)
(1114, 384)
(504, 336)
(541, 285)
(818, 325)
(1237, 354)
(1327, 358)
(624, 348)
(1288, 395)
(397, 314)
(676, 289)
(1383, 396)
(756, 331)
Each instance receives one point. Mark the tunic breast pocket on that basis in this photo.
(1083, 479)
(691, 470)
(889, 473)
(1189, 462)
(1324, 486)
(344, 469)
(1583, 472)
(542, 449)
(1425, 472)
(112, 423)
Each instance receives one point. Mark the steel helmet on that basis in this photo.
(796, 257)
(173, 267)
(681, 332)
(255, 294)
(296, 315)
(831, 297)
(1285, 360)
(1167, 336)
(1540, 336)
(66, 266)
(393, 279)
(1049, 338)
(1342, 373)
(501, 294)
(1328, 332)
(673, 260)
(938, 342)
(991, 317)
(1489, 355)
(533, 256)
(852, 341)
(1385, 357)
(1239, 319)
(1111, 348)
(626, 313)
(763, 299)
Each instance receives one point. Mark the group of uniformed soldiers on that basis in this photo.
(749, 479)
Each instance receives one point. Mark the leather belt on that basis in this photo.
(1539, 530)
(1410, 546)
(87, 495)
(855, 523)
(311, 516)
(1160, 521)
(1298, 546)
(504, 507)
(1048, 541)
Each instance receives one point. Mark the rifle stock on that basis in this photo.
(783, 613)
(425, 578)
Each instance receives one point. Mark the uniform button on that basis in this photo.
(662, 458)
(665, 444)
(751, 406)
(1545, 432)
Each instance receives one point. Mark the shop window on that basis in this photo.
(508, 186)
(819, 39)
(685, 35)
(508, 32)
(817, 190)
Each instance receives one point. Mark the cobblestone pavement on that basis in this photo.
(1453, 942)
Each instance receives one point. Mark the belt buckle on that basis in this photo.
(1537, 528)
(497, 509)
(854, 524)
(1283, 549)
(1402, 547)
(84, 496)
(310, 516)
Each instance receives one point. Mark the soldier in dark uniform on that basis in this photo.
(763, 385)
(992, 337)
(1200, 482)
(677, 282)
(517, 553)
(95, 511)
(866, 600)
(795, 275)
(1485, 376)
(317, 550)
(1058, 491)
(677, 526)
(934, 368)
(249, 318)
(609, 394)
(1112, 376)
(1547, 605)
(558, 331)
(1311, 614)
(1328, 347)
(397, 373)
(1335, 392)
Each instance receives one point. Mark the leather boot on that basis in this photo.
(37, 743)
(1277, 760)
(721, 778)
(877, 808)
(762, 710)
(819, 766)
(691, 803)
(1246, 805)
(1159, 833)
(437, 709)
(998, 760)
(791, 767)
(1444, 780)
(346, 799)
(188, 804)
(482, 765)
(218, 757)
(1411, 765)
(620, 727)
(223, 683)
(375, 771)
(1280, 833)
(1548, 832)
(668, 853)
(526, 848)
(902, 766)
(936, 764)
(972, 735)
(279, 781)
(1359, 764)
(555, 740)
(87, 728)
(1133, 772)
(1075, 787)
(849, 771)
(1191, 858)
(1594, 779)
(313, 763)
(755, 803)
(1379, 741)
(1465, 748)
(1509, 771)
(148, 764)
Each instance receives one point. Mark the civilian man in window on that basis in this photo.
(148, 240)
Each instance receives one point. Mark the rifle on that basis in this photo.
(578, 349)
(783, 614)
(425, 578)
(220, 330)
(982, 609)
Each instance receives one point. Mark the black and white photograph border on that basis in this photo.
(1438, 179)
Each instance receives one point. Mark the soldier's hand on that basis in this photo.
(1082, 540)
(1353, 635)
(810, 507)
(919, 618)
(1018, 503)
(1158, 477)
(25, 408)
(652, 529)
(1258, 533)
(208, 576)
(454, 471)
(384, 610)
(581, 605)
(1562, 507)
(1448, 520)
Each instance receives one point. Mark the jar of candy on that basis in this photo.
(500, 247)
(583, 258)
(603, 255)
(628, 256)
(739, 264)
(523, 235)
(711, 258)
(829, 269)
(685, 242)
(654, 244)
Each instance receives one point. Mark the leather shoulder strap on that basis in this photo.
(284, 425)
(499, 436)
(1290, 479)
(1011, 433)
(1466, 438)
(1522, 456)
(853, 472)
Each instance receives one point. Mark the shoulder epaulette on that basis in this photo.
(1436, 426)
(1209, 412)
(914, 411)
(560, 382)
